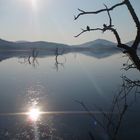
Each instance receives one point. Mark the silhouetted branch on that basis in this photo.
(82, 12)
(127, 86)
(91, 114)
(86, 30)
(132, 50)
(130, 63)
(57, 63)
(120, 121)
(31, 59)
(137, 22)
(105, 28)
(130, 82)
(110, 19)
(119, 108)
(129, 66)
(91, 136)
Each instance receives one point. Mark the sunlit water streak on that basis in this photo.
(59, 113)
(36, 134)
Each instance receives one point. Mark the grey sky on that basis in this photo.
(52, 20)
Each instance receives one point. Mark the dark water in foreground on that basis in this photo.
(59, 89)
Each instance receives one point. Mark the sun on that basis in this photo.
(34, 3)
(34, 114)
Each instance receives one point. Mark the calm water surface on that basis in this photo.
(57, 88)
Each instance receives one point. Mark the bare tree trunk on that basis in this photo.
(132, 50)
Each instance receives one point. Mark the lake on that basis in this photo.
(74, 93)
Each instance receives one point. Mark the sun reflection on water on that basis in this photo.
(34, 114)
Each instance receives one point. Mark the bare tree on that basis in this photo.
(57, 54)
(114, 118)
(130, 50)
(31, 59)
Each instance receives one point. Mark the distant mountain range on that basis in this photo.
(25, 45)
(99, 44)
(99, 48)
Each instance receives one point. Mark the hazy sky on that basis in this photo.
(53, 20)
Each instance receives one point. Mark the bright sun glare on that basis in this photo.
(34, 3)
(34, 114)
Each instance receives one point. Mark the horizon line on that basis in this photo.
(16, 41)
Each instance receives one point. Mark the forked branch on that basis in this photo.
(82, 12)
(130, 50)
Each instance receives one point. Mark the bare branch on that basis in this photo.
(91, 114)
(137, 22)
(81, 10)
(99, 11)
(129, 66)
(132, 50)
(110, 20)
(85, 30)
(105, 28)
